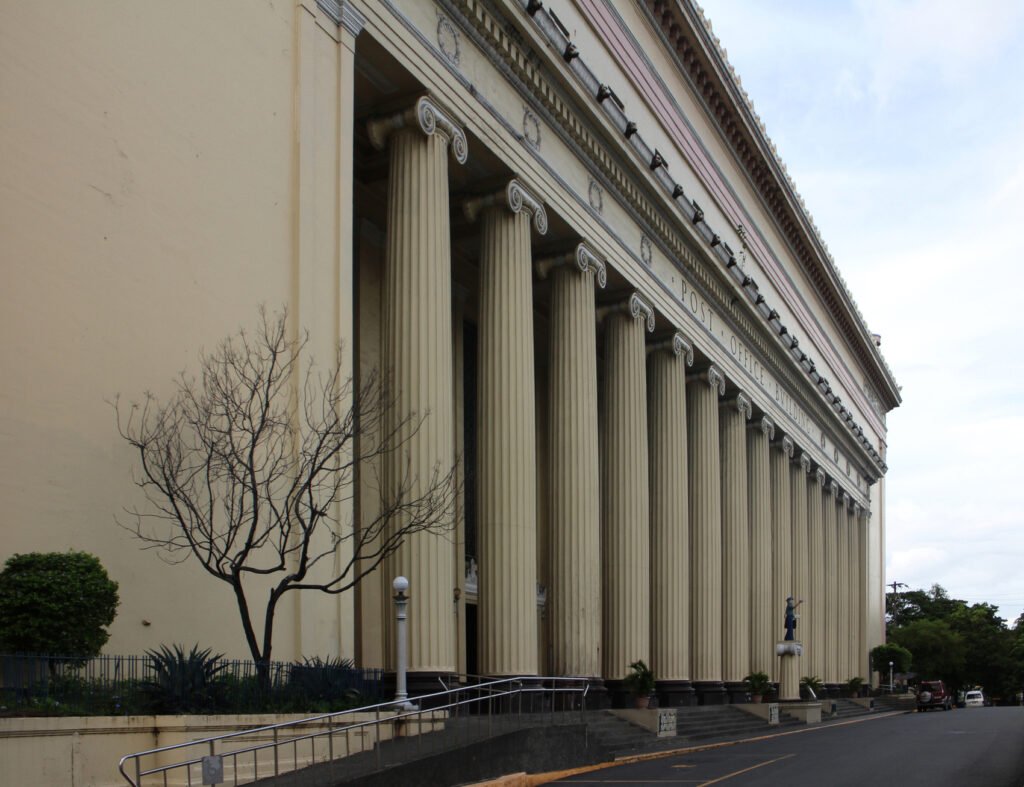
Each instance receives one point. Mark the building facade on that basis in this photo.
(558, 226)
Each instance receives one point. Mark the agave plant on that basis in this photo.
(184, 682)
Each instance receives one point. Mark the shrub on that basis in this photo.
(56, 603)
(185, 683)
(639, 682)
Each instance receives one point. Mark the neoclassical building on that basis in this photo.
(558, 226)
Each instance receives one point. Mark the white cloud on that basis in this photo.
(901, 123)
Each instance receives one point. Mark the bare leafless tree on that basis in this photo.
(247, 466)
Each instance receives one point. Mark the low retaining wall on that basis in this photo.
(84, 751)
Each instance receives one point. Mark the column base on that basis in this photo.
(710, 692)
(598, 697)
(833, 690)
(675, 693)
(418, 684)
(737, 691)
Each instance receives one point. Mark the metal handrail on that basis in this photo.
(439, 705)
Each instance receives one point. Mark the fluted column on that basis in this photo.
(864, 668)
(702, 392)
(670, 531)
(831, 555)
(733, 417)
(763, 613)
(815, 601)
(853, 579)
(782, 533)
(574, 592)
(418, 357)
(625, 490)
(801, 569)
(843, 583)
(506, 433)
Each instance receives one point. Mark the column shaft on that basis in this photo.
(864, 668)
(763, 613)
(782, 534)
(801, 569)
(670, 532)
(506, 457)
(814, 602)
(843, 589)
(831, 556)
(853, 579)
(574, 597)
(735, 541)
(625, 495)
(702, 392)
(418, 353)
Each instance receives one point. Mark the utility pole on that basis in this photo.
(896, 597)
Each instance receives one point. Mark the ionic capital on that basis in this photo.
(516, 198)
(428, 115)
(805, 462)
(583, 258)
(766, 425)
(833, 487)
(785, 444)
(635, 306)
(743, 404)
(677, 345)
(819, 476)
(712, 376)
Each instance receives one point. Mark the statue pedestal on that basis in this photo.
(789, 653)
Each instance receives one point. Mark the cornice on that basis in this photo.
(637, 187)
(687, 32)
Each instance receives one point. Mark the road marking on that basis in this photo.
(746, 770)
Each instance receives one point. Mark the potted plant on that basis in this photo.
(758, 684)
(812, 687)
(640, 683)
(853, 685)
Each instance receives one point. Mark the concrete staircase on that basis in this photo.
(896, 702)
(724, 722)
(845, 709)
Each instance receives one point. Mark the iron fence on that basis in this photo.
(45, 684)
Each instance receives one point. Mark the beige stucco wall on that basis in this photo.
(149, 190)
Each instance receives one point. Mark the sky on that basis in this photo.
(901, 123)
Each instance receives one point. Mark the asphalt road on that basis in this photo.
(965, 747)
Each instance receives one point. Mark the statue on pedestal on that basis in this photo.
(791, 617)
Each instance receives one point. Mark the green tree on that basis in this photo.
(56, 603)
(938, 651)
(883, 654)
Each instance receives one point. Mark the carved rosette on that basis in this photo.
(431, 119)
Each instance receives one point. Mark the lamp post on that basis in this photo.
(890, 678)
(400, 585)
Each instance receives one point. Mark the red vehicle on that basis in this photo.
(933, 694)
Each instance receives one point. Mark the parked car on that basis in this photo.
(933, 694)
(974, 699)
